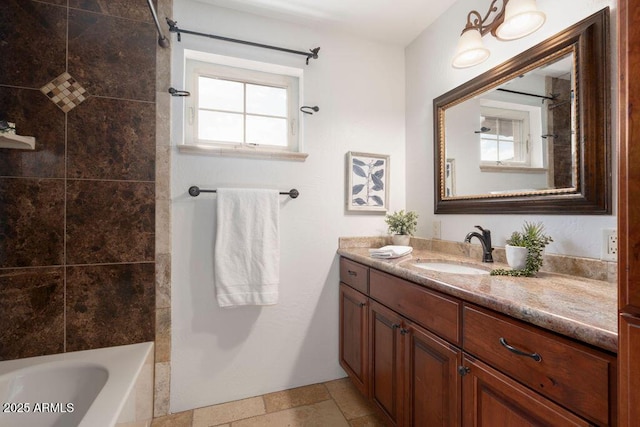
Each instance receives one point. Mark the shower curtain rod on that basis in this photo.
(162, 40)
(552, 97)
(173, 28)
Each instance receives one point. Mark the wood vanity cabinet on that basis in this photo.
(493, 399)
(354, 337)
(428, 359)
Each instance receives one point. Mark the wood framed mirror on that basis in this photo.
(532, 135)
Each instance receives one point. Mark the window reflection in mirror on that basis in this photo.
(518, 137)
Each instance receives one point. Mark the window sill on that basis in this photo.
(513, 169)
(246, 153)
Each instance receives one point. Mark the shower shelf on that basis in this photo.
(10, 140)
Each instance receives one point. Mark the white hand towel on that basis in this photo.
(247, 251)
(390, 251)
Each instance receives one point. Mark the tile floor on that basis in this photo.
(332, 404)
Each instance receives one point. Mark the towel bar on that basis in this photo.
(195, 191)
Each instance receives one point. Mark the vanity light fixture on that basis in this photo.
(516, 19)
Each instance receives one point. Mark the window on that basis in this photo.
(504, 138)
(502, 141)
(234, 109)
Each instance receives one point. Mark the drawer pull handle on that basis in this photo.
(534, 356)
(352, 273)
(362, 304)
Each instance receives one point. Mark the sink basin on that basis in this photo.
(444, 267)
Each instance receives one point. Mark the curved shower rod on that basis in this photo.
(173, 28)
(162, 40)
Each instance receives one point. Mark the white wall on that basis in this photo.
(222, 355)
(429, 74)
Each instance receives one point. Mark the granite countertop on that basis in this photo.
(580, 308)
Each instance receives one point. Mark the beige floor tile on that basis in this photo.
(323, 414)
(228, 412)
(295, 397)
(351, 402)
(367, 421)
(180, 419)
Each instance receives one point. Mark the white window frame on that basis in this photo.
(537, 157)
(251, 72)
(521, 143)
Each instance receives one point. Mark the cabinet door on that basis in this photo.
(386, 361)
(491, 399)
(354, 343)
(432, 380)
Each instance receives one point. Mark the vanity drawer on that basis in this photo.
(355, 275)
(573, 375)
(434, 311)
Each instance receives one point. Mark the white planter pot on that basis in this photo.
(516, 256)
(400, 239)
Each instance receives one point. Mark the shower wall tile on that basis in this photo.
(112, 57)
(34, 115)
(32, 307)
(33, 45)
(109, 305)
(120, 145)
(131, 9)
(110, 222)
(77, 214)
(31, 222)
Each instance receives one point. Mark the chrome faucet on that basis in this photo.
(485, 239)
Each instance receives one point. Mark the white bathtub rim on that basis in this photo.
(123, 364)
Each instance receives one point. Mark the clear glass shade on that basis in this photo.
(521, 18)
(470, 50)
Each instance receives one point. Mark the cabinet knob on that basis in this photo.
(404, 331)
(362, 304)
(395, 325)
(463, 370)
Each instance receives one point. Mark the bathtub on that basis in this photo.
(95, 388)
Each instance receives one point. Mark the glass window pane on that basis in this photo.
(219, 94)
(506, 151)
(506, 128)
(266, 100)
(215, 126)
(267, 130)
(490, 125)
(488, 150)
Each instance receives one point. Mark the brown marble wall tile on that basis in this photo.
(34, 115)
(109, 305)
(31, 222)
(111, 139)
(110, 222)
(112, 57)
(33, 46)
(32, 307)
(131, 9)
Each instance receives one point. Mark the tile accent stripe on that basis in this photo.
(65, 92)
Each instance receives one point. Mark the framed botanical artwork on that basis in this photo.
(367, 182)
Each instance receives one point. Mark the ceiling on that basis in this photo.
(393, 21)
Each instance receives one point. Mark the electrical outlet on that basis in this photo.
(609, 245)
(437, 229)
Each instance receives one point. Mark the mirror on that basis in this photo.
(531, 135)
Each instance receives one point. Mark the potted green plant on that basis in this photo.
(402, 225)
(524, 250)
